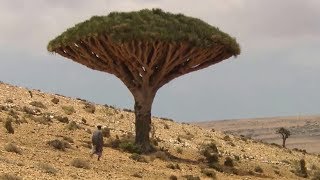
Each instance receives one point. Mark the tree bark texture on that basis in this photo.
(142, 107)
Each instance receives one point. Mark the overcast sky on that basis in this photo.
(277, 73)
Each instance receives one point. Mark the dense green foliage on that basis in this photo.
(148, 25)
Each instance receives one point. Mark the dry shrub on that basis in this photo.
(243, 138)
(155, 141)
(166, 126)
(173, 166)
(62, 119)
(210, 152)
(231, 144)
(55, 100)
(31, 111)
(87, 130)
(42, 120)
(3, 108)
(179, 140)
(209, 172)
(302, 170)
(38, 104)
(130, 146)
(110, 111)
(258, 169)
(89, 108)
(127, 110)
(212, 158)
(179, 150)
(208, 148)
(12, 148)
(300, 150)
(139, 158)
(80, 163)
(86, 144)
(236, 157)
(166, 119)
(106, 132)
(58, 144)
(83, 100)
(113, 142)
(28, 116)
(68, 109)
(21, 120)
(83, 121)
(227, 169)
(126, 144)
(228, 162)
(72, 126)
(47, 168)
(13, 114)
(216, 166)
(277, 172)
(8, 176)
(227, 138)
(8, 125)
(173, 177)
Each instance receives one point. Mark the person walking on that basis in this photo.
(97, 142)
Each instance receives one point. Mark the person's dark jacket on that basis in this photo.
(97, 139)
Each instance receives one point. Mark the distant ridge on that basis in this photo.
(305, 129)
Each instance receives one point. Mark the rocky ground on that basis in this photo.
(51, 135)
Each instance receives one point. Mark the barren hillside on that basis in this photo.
(50, 139)
(305, 130)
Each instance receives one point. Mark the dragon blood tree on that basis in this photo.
(145, 50)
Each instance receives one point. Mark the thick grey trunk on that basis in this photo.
(142, 108)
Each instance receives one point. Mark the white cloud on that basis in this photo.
(29, 26)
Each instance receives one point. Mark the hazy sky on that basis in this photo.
(277, 73)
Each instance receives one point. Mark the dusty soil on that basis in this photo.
(181, 142)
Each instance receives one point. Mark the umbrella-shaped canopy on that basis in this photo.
(145, 50)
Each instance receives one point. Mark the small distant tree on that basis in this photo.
(285, 133)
